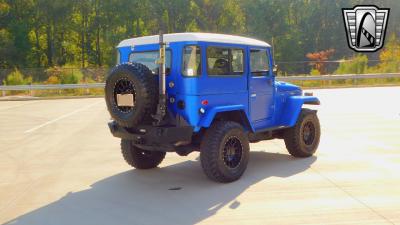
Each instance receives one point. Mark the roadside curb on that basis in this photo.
(358, 86)
(29, 98)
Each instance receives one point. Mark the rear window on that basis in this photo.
(225, 61)
(150, 58)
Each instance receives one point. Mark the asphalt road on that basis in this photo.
(60, 165)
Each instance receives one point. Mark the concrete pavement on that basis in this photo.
(60, 165)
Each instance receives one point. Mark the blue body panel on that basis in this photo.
(208, 118)
(291, 109)
(264, 102)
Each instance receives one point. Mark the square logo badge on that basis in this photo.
(366, 27)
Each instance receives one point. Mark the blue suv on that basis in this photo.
(211, 93)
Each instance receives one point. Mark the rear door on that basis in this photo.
(261, 84)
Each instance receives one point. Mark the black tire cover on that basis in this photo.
(136, 79)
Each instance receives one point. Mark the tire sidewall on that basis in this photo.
(309, 149)
(138, 110)
(134, 157)
(233, 173)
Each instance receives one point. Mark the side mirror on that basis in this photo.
(275, 70)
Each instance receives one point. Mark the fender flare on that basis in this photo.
(210, 114)
(293, 108)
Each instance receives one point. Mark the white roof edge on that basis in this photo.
(205, 37)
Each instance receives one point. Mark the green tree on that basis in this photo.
(17, 78)
(355, 65)
(8, 52)
(84, 33)
(389, 57)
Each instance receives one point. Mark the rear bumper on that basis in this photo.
(154, 136)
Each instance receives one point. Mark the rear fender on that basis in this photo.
(238, 111)
(292, 108)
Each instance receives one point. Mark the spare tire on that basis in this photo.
(131, 94)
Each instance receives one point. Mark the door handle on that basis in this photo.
(253, 95)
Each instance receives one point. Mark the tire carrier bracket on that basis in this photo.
(162, 101)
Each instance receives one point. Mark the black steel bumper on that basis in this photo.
(153, 136)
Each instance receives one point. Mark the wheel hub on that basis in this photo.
(232, 153)
(124, 87)
(308, 133)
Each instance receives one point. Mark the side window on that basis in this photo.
(237, 61)
(225, 61)
(259, 62)
(191, 61)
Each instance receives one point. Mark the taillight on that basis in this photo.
(204, 102)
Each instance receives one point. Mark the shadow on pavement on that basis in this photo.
(144, 197)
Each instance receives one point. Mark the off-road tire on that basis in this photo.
(138, 158)
(296, 143)
(144, 89)
(212, 150)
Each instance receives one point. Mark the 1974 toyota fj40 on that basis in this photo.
(203, 92)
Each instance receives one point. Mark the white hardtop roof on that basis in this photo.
(181, 37)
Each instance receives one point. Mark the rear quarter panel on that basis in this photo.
(219, 91)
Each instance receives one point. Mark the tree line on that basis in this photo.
(84, 33)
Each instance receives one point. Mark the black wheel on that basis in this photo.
(138, 158)
(302, 140)
(136, 81)
(224, 151)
